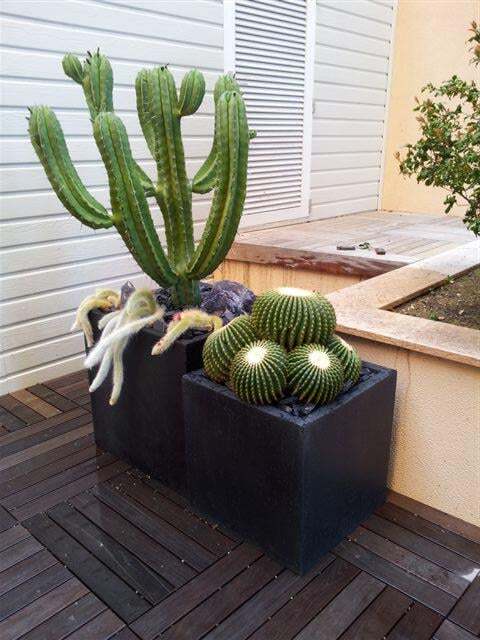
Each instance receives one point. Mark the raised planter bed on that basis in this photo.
(145, 427)
(294, 485)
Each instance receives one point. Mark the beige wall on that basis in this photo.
(436, 439)
(429, 46)
(261, 277)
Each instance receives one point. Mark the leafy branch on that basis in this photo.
(447, 155)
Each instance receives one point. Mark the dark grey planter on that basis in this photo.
(146, 426)
(296, 486)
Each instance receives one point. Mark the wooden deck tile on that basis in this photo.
(466, 612)
(177, 516)
(119, 596)
(379, 618)
(25, 570)
(343, 610)
(68, 620)
(185, 599)
(389, 573)
(450, 631)
(299, 611)
(165, 534)
(113, 555)
(32, 589)
(462, 567)
(41, 609)
(52, 397)
(37, 404)
(10, 422)
(20, 410)
(410, 562)
(144, 547)
(419, 623)
(466, 548)
(104, 552)
(103, 627)
(222, 603)
(56, 467)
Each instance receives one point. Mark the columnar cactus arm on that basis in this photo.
(49, 143)
(131, 214)
(97, 84)
(192, 91)
(96, 79)
(231, 132)
(204, 179)
(159, 115)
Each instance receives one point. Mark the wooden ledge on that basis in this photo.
(362, 309)
(326, 260)
(312, 245)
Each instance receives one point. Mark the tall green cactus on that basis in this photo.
(160, 110)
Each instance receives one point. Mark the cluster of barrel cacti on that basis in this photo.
(286, 345)
(160, 112)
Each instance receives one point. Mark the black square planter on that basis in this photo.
(296, 486)
(145, 427)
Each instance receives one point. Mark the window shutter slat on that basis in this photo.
(270, 45)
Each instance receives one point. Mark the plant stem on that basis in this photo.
(186, 293)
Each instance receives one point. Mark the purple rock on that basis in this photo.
(227, 299)
(125, 292)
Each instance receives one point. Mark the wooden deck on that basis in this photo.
(406, 238)
(91, 549)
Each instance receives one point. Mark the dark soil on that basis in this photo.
(456, 302)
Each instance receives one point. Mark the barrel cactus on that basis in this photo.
(223, 344)
(160, 111)
(258, 374)
(329, 319)
(348, 356)
(293, 316)
(315, 375)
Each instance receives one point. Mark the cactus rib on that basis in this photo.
(49, 143)
(192, 91)
(258, 373)
(231, 131)
(348, 356)
(314, 374)
(222, 345)
(129, 204)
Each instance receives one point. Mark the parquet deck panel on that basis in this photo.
(91, 549)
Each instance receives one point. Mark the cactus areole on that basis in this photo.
(160, 110)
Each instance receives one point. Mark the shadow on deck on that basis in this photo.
(91, 549)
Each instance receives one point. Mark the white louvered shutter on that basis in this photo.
(352, 62)
(269, 61)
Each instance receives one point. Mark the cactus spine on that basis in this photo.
(348, 356)
(160, 110)
(288, 315)
(314, 374)
(258, 374)
(222, 345)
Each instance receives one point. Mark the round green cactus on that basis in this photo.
(315, 375)
(290, 316)
(347, 355)
(223, 344)
(329, 319)
(258, 374)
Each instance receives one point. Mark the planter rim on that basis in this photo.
(366, 309)
(302, 422)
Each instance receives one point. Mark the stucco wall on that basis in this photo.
(436, 440)
(261, 277)
(429, 46)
